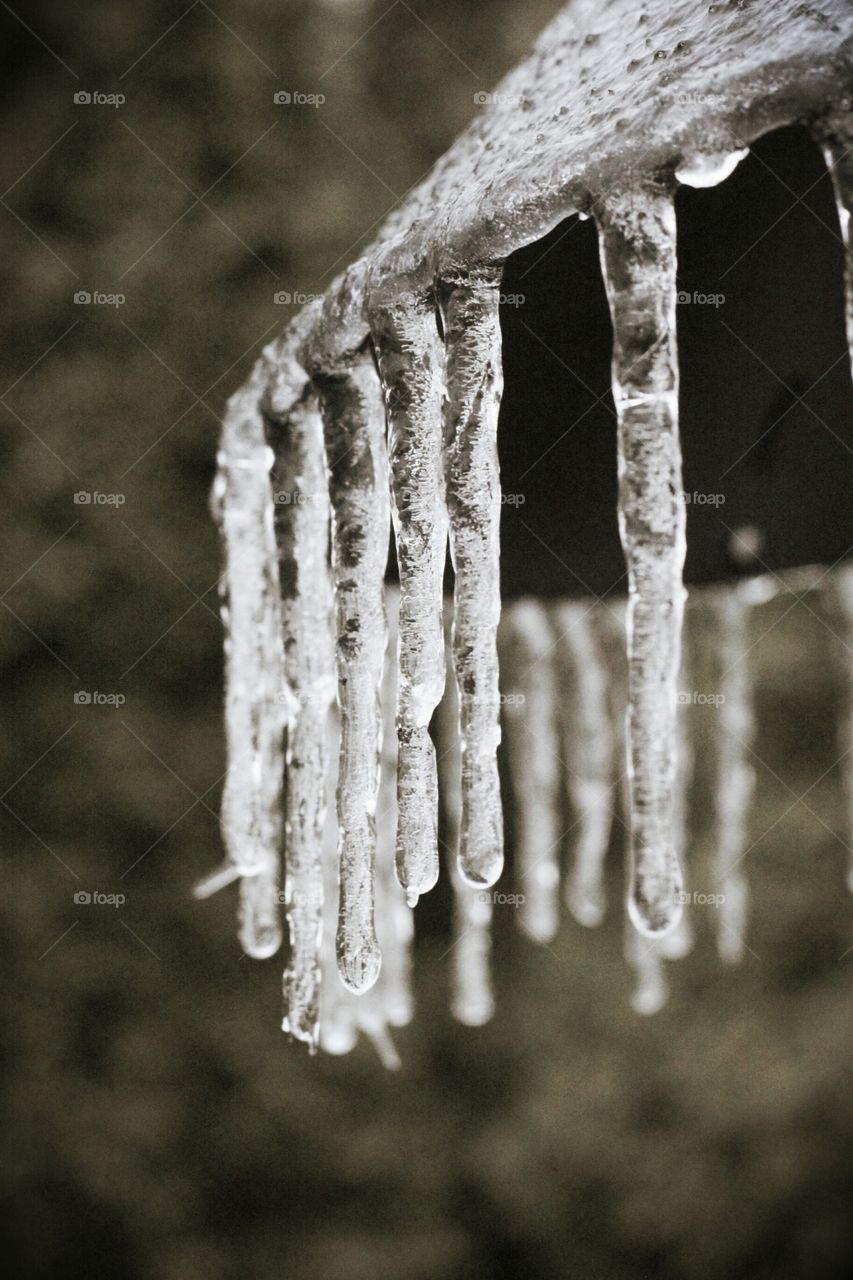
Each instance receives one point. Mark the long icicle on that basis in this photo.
(395, 919)
(638, 259)
(354, 424)
(588, 743)
(837, 142)
(410, 357)
(472, 1000)
(254, 674)
(735, 775)
(302, 531)
(533, 746)
(474, 385)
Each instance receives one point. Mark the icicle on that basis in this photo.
(338, 1022)
(354, 422)
(394, 918)
(645, 958)
(735, 775)
(346, 1015)
(302, 531)
(533, 745)
(474, 385)
(254, 713)
(837, 140)
(844, 593)
(411, 359)
(472, 1000)
(638, 258)
(678, 943)
(588, 743)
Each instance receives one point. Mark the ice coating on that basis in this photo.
(395, 923)
(251, 615)
(645, 960)
(474, 384)
(410, 357)
(530, 695)
(356, 459)
(588, 749)
(472, 1000)
(637, 234)
(300, 490)
(678, 943)
(735, 775)
(837, 139)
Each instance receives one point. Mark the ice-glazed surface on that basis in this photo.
(411, 365)
(474, 384)
(301, 503)
(638, 260)
(356, 458)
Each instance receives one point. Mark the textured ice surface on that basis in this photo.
(302, 523)
(354, 421)
(638, 260)
(474, 383)
(411, 366)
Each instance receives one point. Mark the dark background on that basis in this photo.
(157, 1122)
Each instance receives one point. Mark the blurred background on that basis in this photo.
(157, 1123)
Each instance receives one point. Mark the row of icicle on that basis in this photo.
(304, 467)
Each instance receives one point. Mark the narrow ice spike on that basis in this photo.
(302, 532)
(354, 424)
(410, 358)
(533, 745)
(844, 595)
(588, 748)
(395, 924)
(678, 943)
(836, 135)
(638, 259)
(251, 614)
(472, 1000)
(216, 880)
(735, 775)
(474, 385)
(254, 714)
